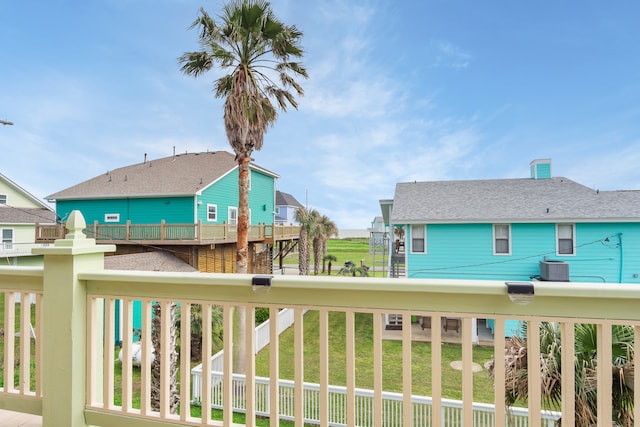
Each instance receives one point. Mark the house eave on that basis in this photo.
(513, 220)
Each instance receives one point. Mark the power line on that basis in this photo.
(506, 261)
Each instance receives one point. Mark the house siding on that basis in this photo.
(15, 197)
(466, 251)
(224, 193)
(172, 210)
(262, 198)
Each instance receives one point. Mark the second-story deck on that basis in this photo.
(60, 359)
(171, 234)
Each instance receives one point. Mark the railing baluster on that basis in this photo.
(38, 340)
(9, 340)
(274, 370)
(533, 369)
(467, 372)
(206, 363)
(499, 372)
(229, 392)
(185, 361)
(25, 343)
(107, 375)
(147, 355)
(377, 368)
(406, 369)
(127, 356)
(250, 370)
(568, 375)
(298, 398)
(350, 355)
(323, 316)
(604, 374)
(165, 358)
(436, 369)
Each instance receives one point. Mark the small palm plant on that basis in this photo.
(351, 269)
(586, 361)
(329, 259)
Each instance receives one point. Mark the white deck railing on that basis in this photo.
(74, 323)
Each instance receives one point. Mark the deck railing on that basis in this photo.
(72, 375)
(170, 233)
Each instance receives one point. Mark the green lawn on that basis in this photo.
(392, 360)
(352, 249)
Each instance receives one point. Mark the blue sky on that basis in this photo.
(398, 91)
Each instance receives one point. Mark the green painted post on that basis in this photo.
(64, 319)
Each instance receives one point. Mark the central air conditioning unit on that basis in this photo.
(554, 271)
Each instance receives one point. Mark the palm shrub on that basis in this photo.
(585, 365)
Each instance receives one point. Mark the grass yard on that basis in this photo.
(351, 249)
(392, 360)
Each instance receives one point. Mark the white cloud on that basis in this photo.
(447, 54)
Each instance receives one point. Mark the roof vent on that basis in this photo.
(554, 271)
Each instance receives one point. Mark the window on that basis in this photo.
(3, 199)
(566, 239)
(212, 212)
(7, 238)
(418, 239)
(113, 217)
(502, 239)
(233, 215)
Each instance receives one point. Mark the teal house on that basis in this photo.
(185, 203)
(180, 189)
(538, 228)
(193, 197)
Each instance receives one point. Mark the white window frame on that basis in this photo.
(7, 242)
(4, 199)
(423, 237)
(573, 239)
(229, 210)
(215, 213)
(112, 217)
(496, 238)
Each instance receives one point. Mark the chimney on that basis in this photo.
(541, 169)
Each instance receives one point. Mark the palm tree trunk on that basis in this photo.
(241, 261)
(303, 256)
(243, 214)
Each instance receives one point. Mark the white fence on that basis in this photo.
(483, 414)
(285, 319)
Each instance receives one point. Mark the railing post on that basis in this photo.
(64, 321)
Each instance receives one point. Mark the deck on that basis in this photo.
(171, 234)
(18, 419)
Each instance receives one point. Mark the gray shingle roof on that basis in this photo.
(147, 261)
(182, 174)
(11, 215)
(286, 199)
(510, 200)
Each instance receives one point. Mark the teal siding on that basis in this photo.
(262, 198)
(173, 210)
(224, 193)
(181, 210)
(466, 251)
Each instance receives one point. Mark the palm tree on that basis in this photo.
(328, 229)
(256, 48)
(516, 380)
(174, 398)
(307, 220)
(329, 259)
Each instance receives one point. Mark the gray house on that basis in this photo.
(286, 207)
